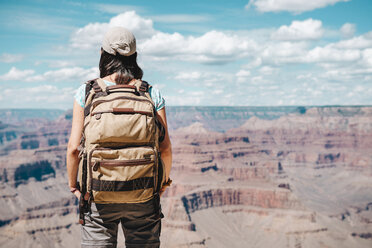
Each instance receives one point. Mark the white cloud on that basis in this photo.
(314, 92)
(272, 87)
(163, 45)
(242, 76)
(64, 74)
(141, 27)
(15, 74)
(217, 92)
(283, 52)
(267, 70)
(176, 100)
(115, 8)
(272, 62)
(204, 78)
(294, 6)
(195, 75)
(255, 63)
(69, 74)
(359, 88)
(10, 58)
(359, 42)
(43, 89)
(329, 56)
(211, 47)
(336, 75)
(91, 35)
(300, 42)
(328, 53)
(304, 77)
(159, 86)
(219, 44)
(298, 52)
(259, 80)
(367, 57)
(356, 72)
(41, 96)
(60, 63)
(196, 93)
(300, 30)
(243, 73)
(347, 30)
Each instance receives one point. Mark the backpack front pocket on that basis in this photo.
(121, 126)
(123, 164)
(123, 175)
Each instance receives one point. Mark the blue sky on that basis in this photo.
(238, 53)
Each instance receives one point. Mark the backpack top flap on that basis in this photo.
(120, 115)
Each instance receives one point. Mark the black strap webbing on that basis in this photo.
(144, 86)
(139, 183)
(160, 173)
(88, 87)
(83, 204)
(91, 84)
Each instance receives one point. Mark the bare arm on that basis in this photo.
(165, 146)
(72, 160)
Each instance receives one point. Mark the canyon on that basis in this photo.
(242, 177)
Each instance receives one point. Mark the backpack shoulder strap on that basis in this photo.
(101, 84)
(92, 84)
(144, 91)
(144, 87)
(88, 87)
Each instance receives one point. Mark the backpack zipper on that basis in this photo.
(117, 148)
(132, 162)
(120, 111)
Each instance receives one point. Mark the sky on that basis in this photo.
(204, 53)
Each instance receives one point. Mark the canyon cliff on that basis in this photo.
(243, 177)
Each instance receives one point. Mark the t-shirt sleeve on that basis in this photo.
(157, 98)
(80, 95)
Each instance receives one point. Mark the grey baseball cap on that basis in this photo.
(119, 40)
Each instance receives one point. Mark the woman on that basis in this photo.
(118, 65)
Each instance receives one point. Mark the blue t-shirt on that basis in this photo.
(155, 95)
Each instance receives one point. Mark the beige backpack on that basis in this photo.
(120, 160)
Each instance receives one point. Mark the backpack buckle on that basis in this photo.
(143, 88)
(97, 88)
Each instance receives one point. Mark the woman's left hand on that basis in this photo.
(76, 192)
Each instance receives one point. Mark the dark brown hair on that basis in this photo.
(126, 67)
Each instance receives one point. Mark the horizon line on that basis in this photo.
(224, 106)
